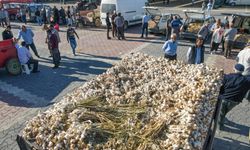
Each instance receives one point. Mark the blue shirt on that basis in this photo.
(170, 47)
(27, 36)
(145, 19)
(176, 23)
(198, 56)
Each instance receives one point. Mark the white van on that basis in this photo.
(131, 10)
(238, 2)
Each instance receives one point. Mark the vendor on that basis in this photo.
(232, 92)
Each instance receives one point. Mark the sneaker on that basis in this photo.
(211, 52)
(109, 38)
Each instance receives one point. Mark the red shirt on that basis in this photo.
(56, 27)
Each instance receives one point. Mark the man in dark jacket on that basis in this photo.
(232, 92)
(7, 33)
(195, 54)
(108, 24)
(53, 43)
(56, 15)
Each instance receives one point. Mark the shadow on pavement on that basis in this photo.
(236, 128)
(226, 143)
(49, 83)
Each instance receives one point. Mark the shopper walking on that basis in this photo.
(71, 38)
(229, 36)
(145, 20)
(27, 35)
(170, 48)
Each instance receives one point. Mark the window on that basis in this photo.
(108, 8)
(246, 24)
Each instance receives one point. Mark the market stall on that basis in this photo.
(140, 103)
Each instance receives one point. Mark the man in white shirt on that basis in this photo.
(25, 56)
(244, 59)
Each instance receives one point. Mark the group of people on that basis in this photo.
(117, 24)
(52, 40)
(4, 17)
(62, 16)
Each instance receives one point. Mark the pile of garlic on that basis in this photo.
(141, 103)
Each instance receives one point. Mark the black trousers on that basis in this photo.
(170, 57)
(108, 28)
(33, 47)
(215, 46)
(35, 63)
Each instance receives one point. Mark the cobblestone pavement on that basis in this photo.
(22, 97)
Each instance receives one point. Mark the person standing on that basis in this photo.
(2, 16)
(145, 20)
(27, 35)
(25, 57)
(43, 15)
(73, 13)
(195, 54)
(7, 33)
(229, 36)
(62, 15)
(119, 21)
(216, 38)
(176, 25)
(114, 30)
(23, 11)
(234, 88)
(56, 15)
(38, 17)
(244, 59)
(53, 44)
(69, 16)
(170, 48)
(71, 38)
(48, 14)
(209, 8)
(168, 28)
(204, 31)
(7, 19)
(108, 24)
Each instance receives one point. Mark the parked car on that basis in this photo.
(193, 23)
(89, 14)
(159, 19)
(242, 23)
(238, 2)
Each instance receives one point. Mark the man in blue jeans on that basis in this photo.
(71, 38)
(145, 20)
